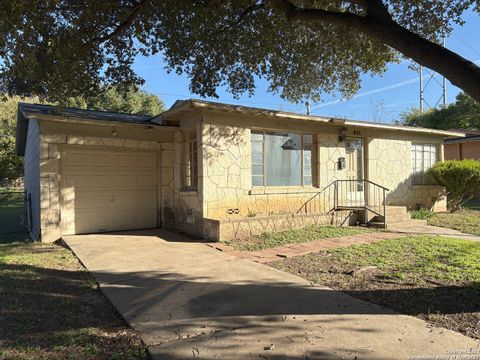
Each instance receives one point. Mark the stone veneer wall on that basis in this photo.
(50, 212)
(244, 228)
(227, 190)
(227, 184)
(389, 164)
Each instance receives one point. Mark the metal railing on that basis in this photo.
(355, 194)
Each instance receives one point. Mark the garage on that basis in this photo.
(107, 189)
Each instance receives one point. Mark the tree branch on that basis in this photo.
(125, 24)
(378, 24)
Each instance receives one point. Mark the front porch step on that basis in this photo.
(392, 218)
(411, 222)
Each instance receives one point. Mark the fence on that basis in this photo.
(13, 215)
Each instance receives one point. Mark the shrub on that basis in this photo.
(422, 214)
(461, 178)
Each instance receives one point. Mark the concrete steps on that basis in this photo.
(395, 215)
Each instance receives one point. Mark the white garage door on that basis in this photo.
(104, 190)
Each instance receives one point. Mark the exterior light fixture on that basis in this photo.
(342, 134)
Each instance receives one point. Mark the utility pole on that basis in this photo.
(430, 75)
(421, 88)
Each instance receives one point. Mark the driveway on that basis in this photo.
(190, 301)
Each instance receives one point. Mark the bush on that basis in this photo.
(461, 178)
(422, 214)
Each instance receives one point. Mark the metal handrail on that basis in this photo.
(373, 200)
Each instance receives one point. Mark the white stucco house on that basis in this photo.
(218, 171)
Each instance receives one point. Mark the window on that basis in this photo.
(423, 157)
(282, 159)
(189, 160)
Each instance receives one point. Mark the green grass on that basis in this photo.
(421, 214)
(293, 236)
(434, 278)
(51, 308)
(467, 221)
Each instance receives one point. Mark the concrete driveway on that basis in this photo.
(189, 301)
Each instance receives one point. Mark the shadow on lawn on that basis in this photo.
(40, 307)
(45, 312)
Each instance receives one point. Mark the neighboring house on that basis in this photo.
(217, 171)
(467, 147)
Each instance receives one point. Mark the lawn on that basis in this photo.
(434, 278)
(467, 221)
(51, 308)
(293, 236)
(12, 214)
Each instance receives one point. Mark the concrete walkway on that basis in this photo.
(190, 301)
(405, 228)
(291, 250)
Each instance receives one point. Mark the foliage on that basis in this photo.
(464, 113)
(58, 49)
(294, 236)
(461, 178)
(11, 165)
(466, 221)
(422, 214)
(114, 99)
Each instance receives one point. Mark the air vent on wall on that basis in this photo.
(233, 211)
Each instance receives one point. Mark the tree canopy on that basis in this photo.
(133, 102)
(464, 113)
(67, 48)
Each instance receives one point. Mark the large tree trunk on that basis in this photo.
(378, 24)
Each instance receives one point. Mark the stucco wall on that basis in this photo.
(32, 178)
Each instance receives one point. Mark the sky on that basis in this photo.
(380, 98)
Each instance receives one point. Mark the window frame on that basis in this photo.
(420, 177)
(189, 165)
(263, 176)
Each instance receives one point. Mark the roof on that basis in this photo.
(26, 111)
(465, 139)
(182, 107)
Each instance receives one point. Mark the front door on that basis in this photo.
(354, 153)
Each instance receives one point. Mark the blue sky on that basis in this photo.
(381, 98)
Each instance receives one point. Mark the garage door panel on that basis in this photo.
(146, 200)
(100, 160)
(124, 160)
(92, 200)
(105, 190)
(124, 181)
(75, 159)
(144, 181)
(145, 161)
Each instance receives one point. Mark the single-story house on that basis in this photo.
(218, 171)
(467, 147)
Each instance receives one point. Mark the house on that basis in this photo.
(218, 171)
(467, 147)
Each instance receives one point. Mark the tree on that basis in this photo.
(134, 102)
(11, 165)
(461, 178)
(464, 113)
(60, 49)
(113, 99)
